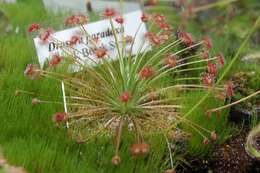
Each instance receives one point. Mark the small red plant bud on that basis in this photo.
(59, 117)
(207, 43)
(128, 39)
(109, 12)
(82, 19)
(69, 20)
(170, 61)
(33, 27)
(146, 72)
(229, 89)
(164, 26)
(151, 2)
(145, 148)
(135, 149)
(212, 69)
(153, 38)
(144, 18)
(207, 79)
(75, 39)
(76, 20)
(35, 101)
(124, 97)
(116, 160)
(158, 18)
(139, 149)
(206, 141)
(164, 37)
(185, 37)
(220, 59)
(119, 19)
(205, 54)
(32, 71)
(213, 136)
(100, 53)
(56, 59)
(170, 171)
(45, 35)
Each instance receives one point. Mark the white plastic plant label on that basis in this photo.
(100, 31)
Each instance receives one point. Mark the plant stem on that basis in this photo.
(170, 152)
(234, 103)
(118, 139)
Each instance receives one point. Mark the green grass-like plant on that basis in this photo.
(108, 97)
(27, 135)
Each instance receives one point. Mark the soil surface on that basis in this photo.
(230, 157)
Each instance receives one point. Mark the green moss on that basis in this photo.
(27, 134)
(214, 122)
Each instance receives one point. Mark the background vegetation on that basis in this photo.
(28, 136)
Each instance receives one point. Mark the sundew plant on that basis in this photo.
(136, 92)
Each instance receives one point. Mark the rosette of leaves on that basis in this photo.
(135, 92)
